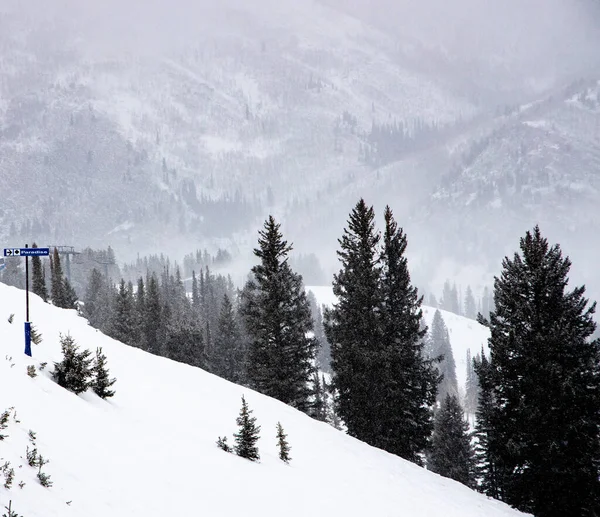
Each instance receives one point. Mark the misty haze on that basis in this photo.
(147, 143)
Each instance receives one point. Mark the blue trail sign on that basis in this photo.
(26, 252)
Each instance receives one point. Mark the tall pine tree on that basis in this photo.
(353, 325)
(406, 382)
(385, 388)
(58, 297)
(122, 327)
(152, 318)
(278, 318)
(38, 277)
(439, 346)
(543, 384)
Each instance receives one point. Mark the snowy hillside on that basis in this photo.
(465, 334)
(150, 451)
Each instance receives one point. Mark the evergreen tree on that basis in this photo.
(405, 381)
(222, 444)
(472, 385)
(470, 306)
(38, 277)
(70, 296)
(97, 303)
(75, 370)
(323, 347)
(440, 349)
(486, 303)
(543, 384)
(122, 326)
(278, 319)
(451, 454)
(101, 381)
(487, 462)
(248, 434)
(353, 325)
(446, 301)
(450, 301)
(319, 409)
(152, 317)
(282, 444)
(59, 298)
(140, 314)
(195, 294)
(455, 302)
(185, 343)
(433, 301)
(229, 358)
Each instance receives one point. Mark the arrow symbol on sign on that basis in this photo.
(9, 253)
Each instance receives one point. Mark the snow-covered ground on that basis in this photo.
(150, 451)
(465, 334)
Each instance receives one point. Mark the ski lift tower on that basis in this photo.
(67, 252)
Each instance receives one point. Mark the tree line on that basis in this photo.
(537, 440)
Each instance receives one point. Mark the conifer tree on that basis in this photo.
(101, 381)
(446, 300)
(70, 296)
(472, 385)
(278, 320)
(248, 434)
(451, 454)
(353, 325)
(439, 347)
(140, 314)
(488, 465)
(222, 444)
(323, 347)
(228, 359)
(319, 409)
(405, 381)
(38, 277)
(75, 370)
(470, 306)
(152, 317)
(195, 294)
(97, 303)
(122, 326)
(282, 444)
(57, 283)
(486, 303)
(543, 385)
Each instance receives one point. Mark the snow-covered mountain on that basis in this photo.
(161, 127)
(126, 133)
(151, 450)
(536, 164)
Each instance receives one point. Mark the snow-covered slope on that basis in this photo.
(150, 451)
(465, 334)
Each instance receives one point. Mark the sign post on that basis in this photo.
(27, 252)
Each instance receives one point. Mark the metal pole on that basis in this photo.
(26, 286)
(27, 323)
